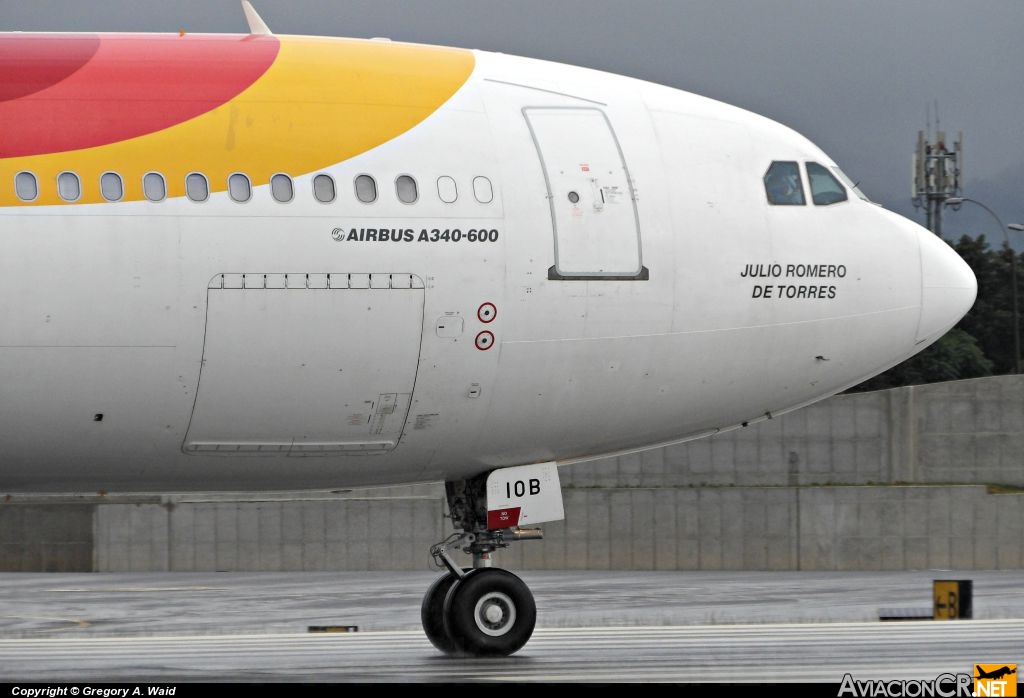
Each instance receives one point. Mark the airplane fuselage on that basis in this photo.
(484, 261)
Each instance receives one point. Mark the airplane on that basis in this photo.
(258, 262)
(994, 674)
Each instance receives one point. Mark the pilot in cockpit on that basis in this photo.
(783, 186)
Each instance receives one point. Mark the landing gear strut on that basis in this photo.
(483, 610)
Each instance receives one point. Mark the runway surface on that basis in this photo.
(592, 626)
(765, 653)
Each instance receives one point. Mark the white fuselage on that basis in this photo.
(179, 345)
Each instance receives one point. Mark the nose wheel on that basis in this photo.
(484, 611)
(432, 613)
(489, 612)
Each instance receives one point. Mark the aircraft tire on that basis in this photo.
(432, 613)
(489, 613)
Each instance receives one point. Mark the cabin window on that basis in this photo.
(783, 185)
(282, 189)
(197, 188)
(69, 186)
(323, 188)
(482, 190)
(239, 187)
(366, 189)
(26, 186)
(154, 186)
(111, 186)
(447, 190)
(405, 186)
(825, 188)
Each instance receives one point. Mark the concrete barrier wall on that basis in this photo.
(667, 528)
(823, 488)
(964, 432)
(769, 528)
(46, 537)
(342, 534)
(708, 528)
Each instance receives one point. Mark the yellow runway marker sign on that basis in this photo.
(952, 599)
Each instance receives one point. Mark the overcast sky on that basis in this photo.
(855, 76)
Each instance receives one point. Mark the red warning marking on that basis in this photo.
(487, 312)
(484, 340)
(503, 518)
(585, 168)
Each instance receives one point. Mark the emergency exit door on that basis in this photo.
(593, 207)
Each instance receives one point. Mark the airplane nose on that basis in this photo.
(948, 287)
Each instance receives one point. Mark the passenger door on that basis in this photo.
(593, 207)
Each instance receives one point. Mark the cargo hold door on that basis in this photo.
(307, 364)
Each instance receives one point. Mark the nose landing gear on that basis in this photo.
(489, 612)
(484, 610)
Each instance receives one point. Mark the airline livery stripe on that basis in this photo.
(131, 86)
(322, 101)
(30, 63)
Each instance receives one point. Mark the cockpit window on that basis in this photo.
(783, 186)
(825, 188)
(850, 184)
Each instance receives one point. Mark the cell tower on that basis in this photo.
(938, 174)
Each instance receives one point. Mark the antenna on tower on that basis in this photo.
(938, 170)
